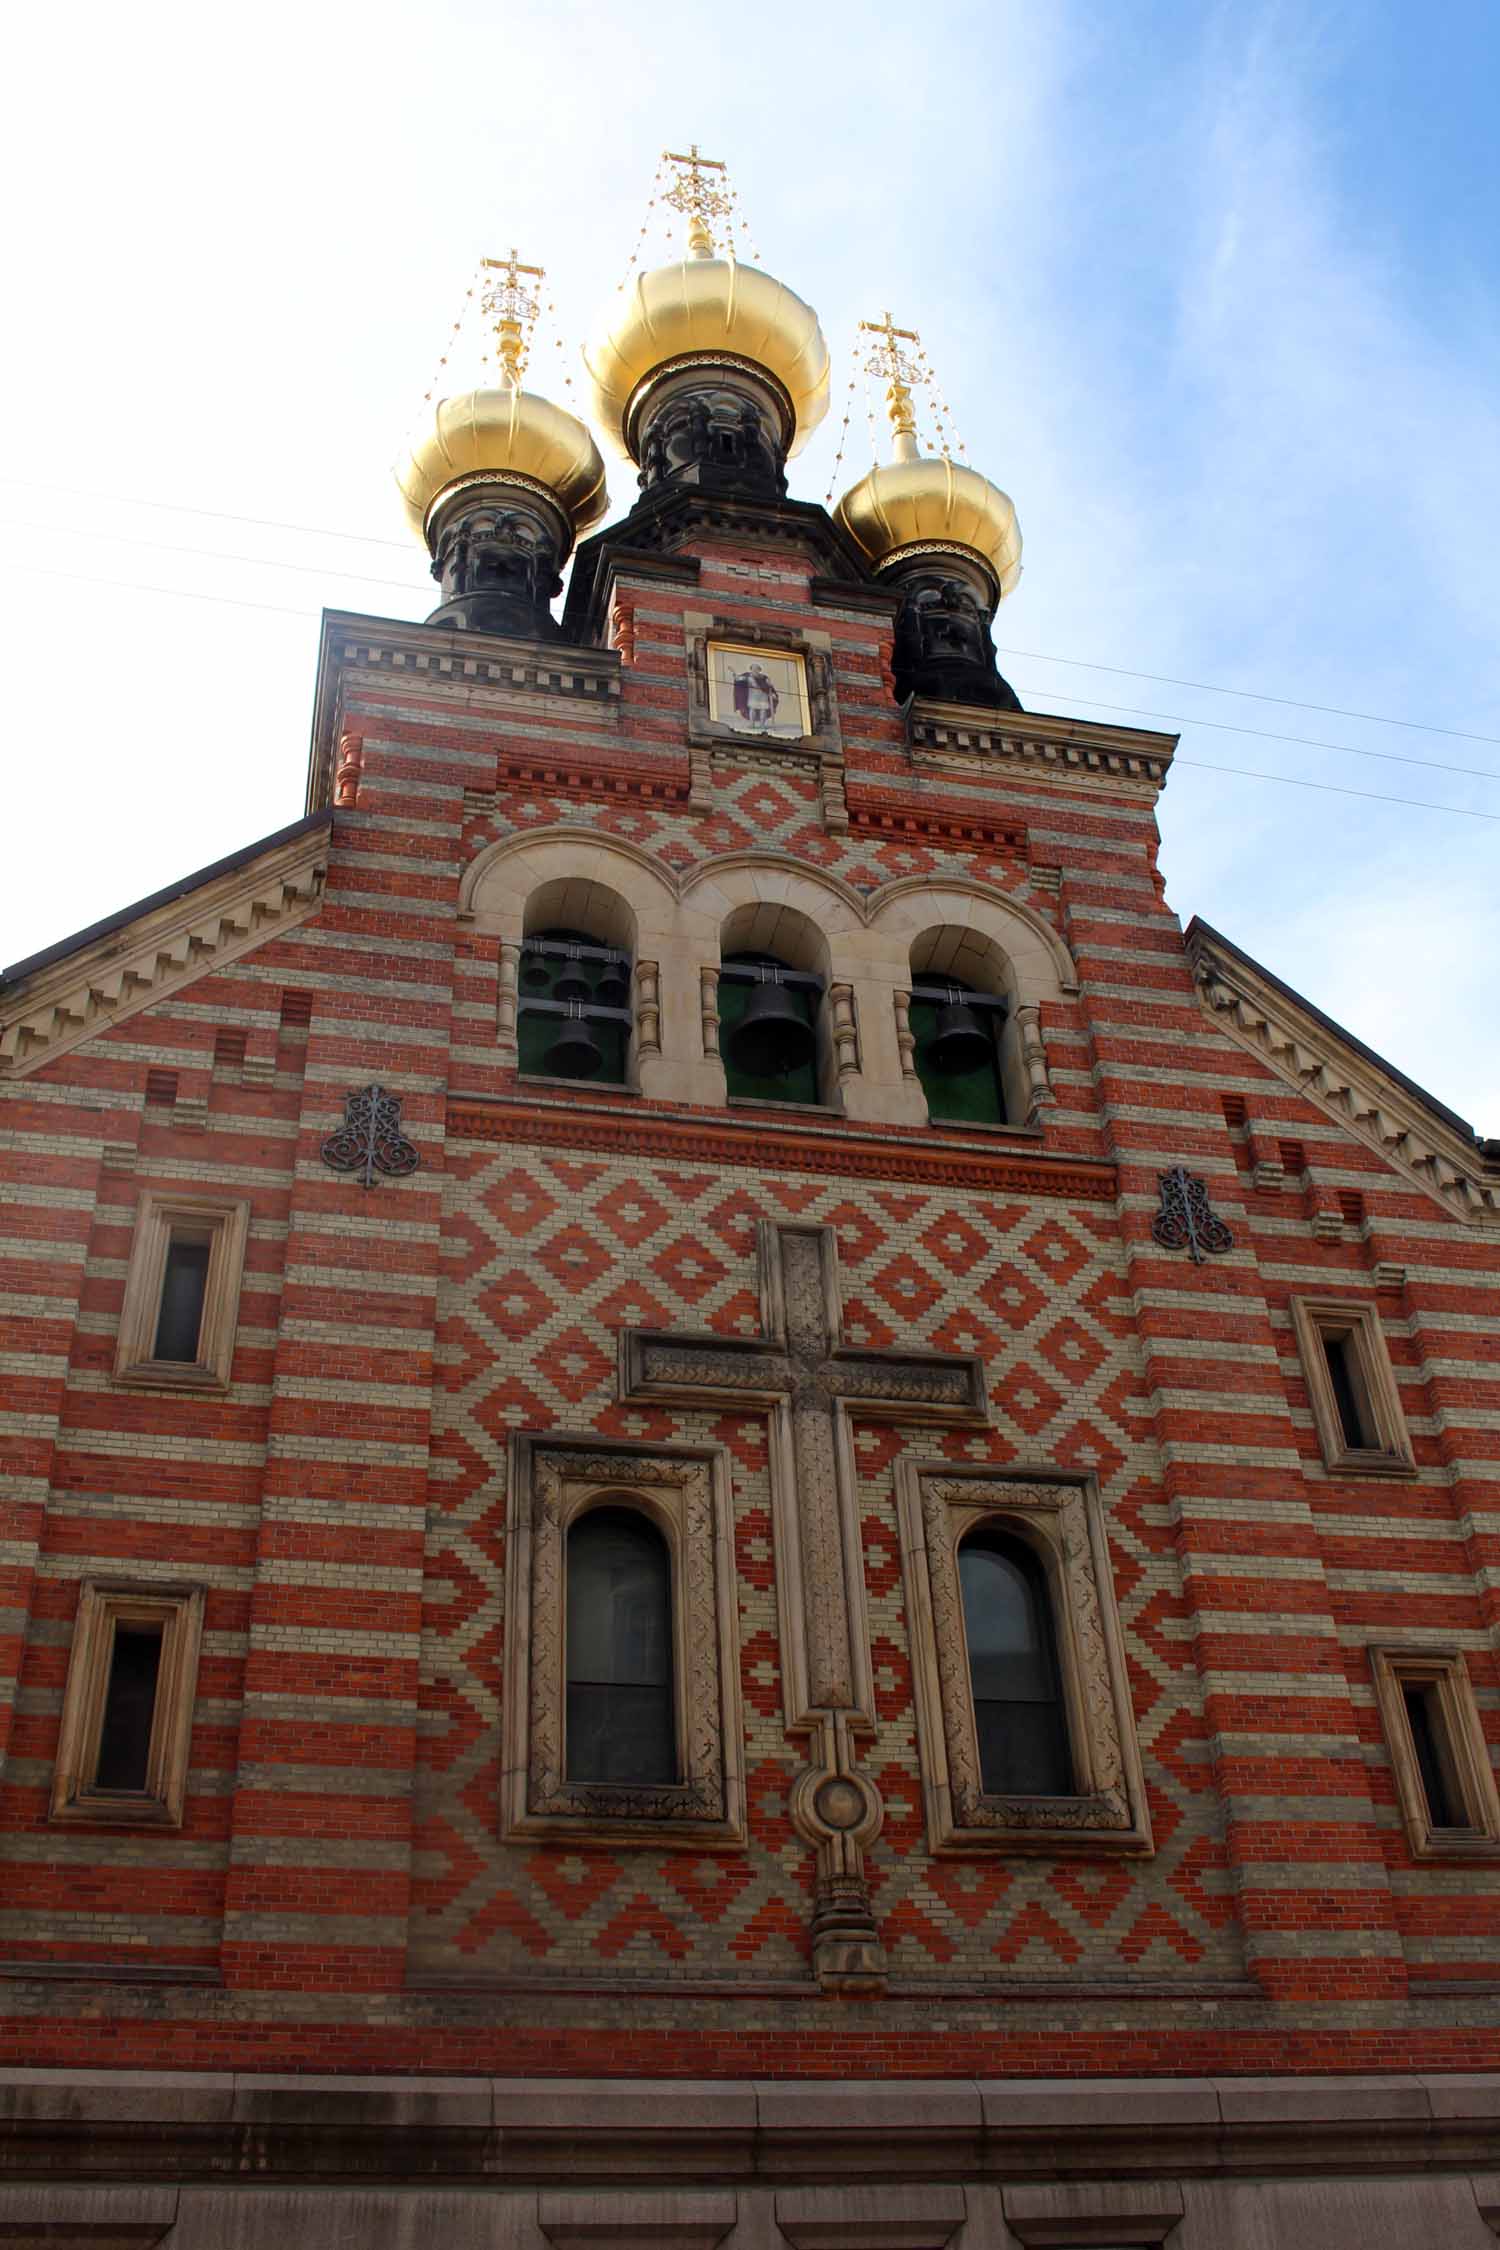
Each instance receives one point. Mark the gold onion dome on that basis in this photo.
(707, 308)
(906, 506)
(503, 433)
(918, 503)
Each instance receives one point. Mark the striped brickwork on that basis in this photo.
(339, 1895)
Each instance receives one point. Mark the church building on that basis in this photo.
(737, 1511)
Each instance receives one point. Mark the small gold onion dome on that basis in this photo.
(921, 503)
(505, 432)
(717, 308)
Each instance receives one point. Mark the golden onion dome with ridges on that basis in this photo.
(908, 506)
(707, 308)
(504, 433)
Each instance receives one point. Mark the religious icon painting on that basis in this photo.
(758, 691)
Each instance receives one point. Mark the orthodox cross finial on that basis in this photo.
(900, 369)
(513, 308)
(698, 199)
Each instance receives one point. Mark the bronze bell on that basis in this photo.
(613, 989)
(960, 1042)
(773, 1037)
(535, 973)
(575, 1052)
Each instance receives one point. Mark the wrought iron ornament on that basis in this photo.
(370, 1140)
(1185, 1220)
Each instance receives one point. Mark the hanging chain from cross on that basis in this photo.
(512, 307)
(887, 358)
(698, 199)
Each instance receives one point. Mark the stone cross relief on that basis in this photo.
(810, 1383)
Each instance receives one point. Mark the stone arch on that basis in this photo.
(770, 903)
(959, 922)
(574, 877)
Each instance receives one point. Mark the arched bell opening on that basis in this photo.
(574, 1017)
(1015, 1679)
(959, 1011)
(773, 1038)
(620, 1721)
(965, 1029)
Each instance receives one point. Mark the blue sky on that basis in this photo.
(1212, 290)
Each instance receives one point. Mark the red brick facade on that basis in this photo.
(339, 1897)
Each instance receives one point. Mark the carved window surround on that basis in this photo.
(177, 1613)
(686, 1493)
(1061, 1518)
(226, 1223)
(821, 749)
(1460, 1744)
(1353, 1326)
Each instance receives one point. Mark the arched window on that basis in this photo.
(957, 1034)
(573, 1008)
(767, 1028)
(1018, 1706)
(620, 1719)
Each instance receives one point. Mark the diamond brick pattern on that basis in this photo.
(646, 1244)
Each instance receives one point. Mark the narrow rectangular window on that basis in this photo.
(184, 1284)
(1351, 1387)
(129, 1707)
(1429, 1740)
(1440, 1759)
(122, 1747)
(1343, 1374)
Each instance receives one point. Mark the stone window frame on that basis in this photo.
(686, 1493)
(1317, 1320)
(1060, 1515)
(226, 1221)
(1395, 1669)
(102, 1604)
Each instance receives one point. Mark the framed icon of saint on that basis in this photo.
(758, 691)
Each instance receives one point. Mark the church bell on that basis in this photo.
(773, 1037)
(960, 1042)
(574, 1053)
(573, 984)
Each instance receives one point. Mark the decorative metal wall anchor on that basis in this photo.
(1185, 1220)
(370, 1140)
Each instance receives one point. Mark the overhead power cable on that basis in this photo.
(1335, 789)
(1040, 656)
(286, 609)
(219, 554)
(1265, 734)
(216, 515)
(1254, 695)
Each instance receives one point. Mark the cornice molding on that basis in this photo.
(759, 1144)
(1344, 1080)
(488, 671)
(106, 982)
(1080, 751)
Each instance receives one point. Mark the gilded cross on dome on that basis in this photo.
(698, 199)
(900, 369)
(513, 308)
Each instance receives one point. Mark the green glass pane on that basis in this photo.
(800, 1085)
(964, 1097)
(537, 1032)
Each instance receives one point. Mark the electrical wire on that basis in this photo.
(1265, 734)
(216, 515)
(1040, 656)
(1253, 695)
(216, 554)
(282, 609)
